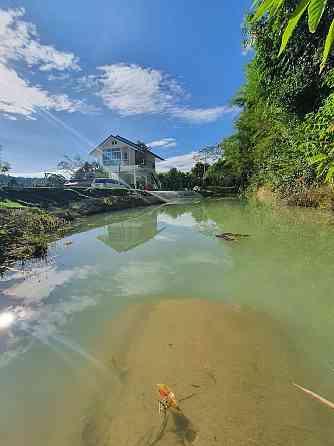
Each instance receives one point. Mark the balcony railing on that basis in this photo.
(124, 165)
(107, 162)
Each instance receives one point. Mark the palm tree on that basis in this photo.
(315, 10)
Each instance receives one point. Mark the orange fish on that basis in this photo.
(167, 398)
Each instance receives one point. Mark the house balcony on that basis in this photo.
(124, 166)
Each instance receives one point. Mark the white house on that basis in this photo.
(131, 162)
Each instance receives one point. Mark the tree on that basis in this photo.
(220, 174)
(81, 169)
(315, 10)
(5, 168)
(292, 80)
(287, 108)
(325, 166)
(174, 179)
(54, 180)
(71, 164)
(198, 173)
(89, 171)
(208, 155)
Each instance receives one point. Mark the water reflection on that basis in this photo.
(55, 316)
(129, 233)
(32, 307)
(7, 318)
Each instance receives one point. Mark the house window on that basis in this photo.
(114, 142)
(125, 156)
(111, 157)
(116, 155)
(107, 156)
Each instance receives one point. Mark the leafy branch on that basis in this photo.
(315, 11)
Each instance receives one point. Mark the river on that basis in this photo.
(60, 317)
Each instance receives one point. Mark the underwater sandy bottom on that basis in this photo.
(231, 370)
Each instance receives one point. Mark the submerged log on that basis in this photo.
(230, 236)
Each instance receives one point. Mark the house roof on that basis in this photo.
(133, 145)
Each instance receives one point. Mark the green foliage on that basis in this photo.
(174, 179)
(4, 167)
(328, 44)
(315, 10)
(292, 23)
(9, 204)
(220, 174)
(325, 165)
(284, 134)
(25, 233)
(198, 173)
(89, 171)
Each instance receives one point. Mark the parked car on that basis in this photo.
(108, 183)
(77, 183)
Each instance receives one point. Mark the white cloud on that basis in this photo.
(129, 283)
(133, 90)
(46, 278)
(202, 115)
(165, 142)
(180, 162)
(19, 42)
(88, 82)
(128, 89)
(18, 97)
(59, 77)
(186, 220)
(41, 174)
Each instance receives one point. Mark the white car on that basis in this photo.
(108, 183)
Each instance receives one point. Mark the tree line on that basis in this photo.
(284, 134)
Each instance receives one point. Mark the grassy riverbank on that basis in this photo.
(31, 218)
(25, 233)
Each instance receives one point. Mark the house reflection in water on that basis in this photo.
(125, 235)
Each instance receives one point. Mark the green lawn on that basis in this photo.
(9, 204)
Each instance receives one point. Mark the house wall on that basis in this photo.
(132, 157)
(143, 173)
(122, 148)
(151, 159)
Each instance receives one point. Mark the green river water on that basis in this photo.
(54, 314)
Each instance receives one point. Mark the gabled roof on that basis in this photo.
(133, 145)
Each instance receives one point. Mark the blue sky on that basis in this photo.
(160, 71)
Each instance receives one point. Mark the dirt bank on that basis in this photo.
(77, 202)
(321, 197)
(231, 370)
(265, 195)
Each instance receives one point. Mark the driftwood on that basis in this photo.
(230, 236)
(315, 396)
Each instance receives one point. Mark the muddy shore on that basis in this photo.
(230, 368)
